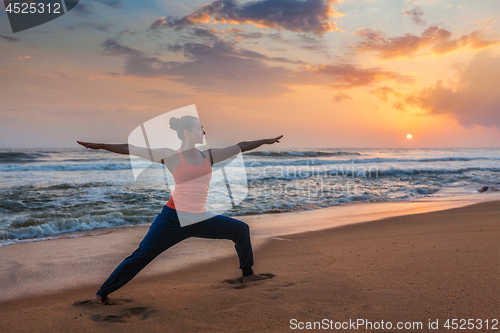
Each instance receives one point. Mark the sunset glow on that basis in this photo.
(323, 73)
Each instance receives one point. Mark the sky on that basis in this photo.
(324, 73)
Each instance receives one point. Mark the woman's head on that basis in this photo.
(190, 124)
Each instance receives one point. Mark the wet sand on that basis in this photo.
(427, 265)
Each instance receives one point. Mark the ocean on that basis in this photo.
(47, 193)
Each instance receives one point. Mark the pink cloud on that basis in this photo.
(383, 92)
(340, 97)
(439, 40)
(474, 100)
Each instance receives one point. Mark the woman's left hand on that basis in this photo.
(274, 140)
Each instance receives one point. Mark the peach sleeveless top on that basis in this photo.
(191, 186)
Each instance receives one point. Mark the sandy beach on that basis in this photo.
(404, 262)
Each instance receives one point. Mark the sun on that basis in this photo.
(409, 136)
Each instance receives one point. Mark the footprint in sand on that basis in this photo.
(238, 283)
(118, 311)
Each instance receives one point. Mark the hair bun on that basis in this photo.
(174, 123)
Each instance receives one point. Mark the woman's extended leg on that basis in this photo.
(160, 237)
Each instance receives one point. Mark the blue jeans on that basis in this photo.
(166, 231)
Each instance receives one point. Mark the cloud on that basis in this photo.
(126, 31)
(208, 33)
(407, 46)
(219, 48)
(100, 27)
(292, 15)
(115, 74)
(214, 68)
(21, 58)
(10, 39)
(220, 67)
(398, 105)
(278, 36)
(383, 92)
(349, 76)
(473, 40)
(312, 43)
(483, 21)
(240, 34)
(474, 99)
(416, 14)
(102, 78)
(302, 40)
(64, 76)
(114, 47)
(341, 97)
(232, 30)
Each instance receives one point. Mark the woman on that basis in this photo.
(192, 171)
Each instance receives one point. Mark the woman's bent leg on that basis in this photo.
(157, 240)
(224, 227)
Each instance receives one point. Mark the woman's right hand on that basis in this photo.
(91, 145)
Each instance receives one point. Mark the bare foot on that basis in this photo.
(98, 299)
(253, 277)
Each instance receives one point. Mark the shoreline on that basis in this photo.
(449, 200)
(69, 262)
(417, 267)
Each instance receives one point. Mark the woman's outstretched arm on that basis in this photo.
(154, 154)
(249, 145)
(121, 148)
(221, 154)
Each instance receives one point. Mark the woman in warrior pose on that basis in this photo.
(192, 171)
